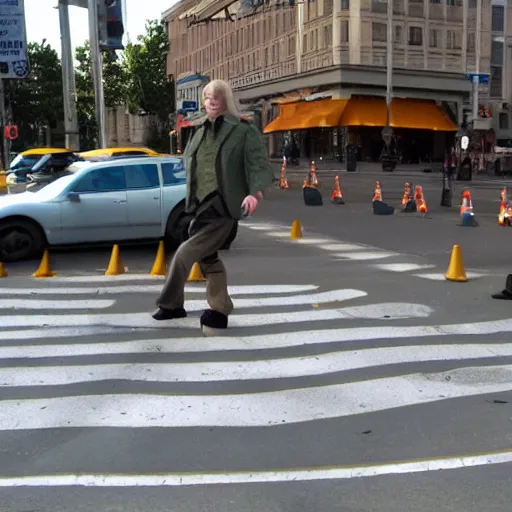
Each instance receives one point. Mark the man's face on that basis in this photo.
(214, 105)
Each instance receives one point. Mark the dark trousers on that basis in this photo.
(208, 233)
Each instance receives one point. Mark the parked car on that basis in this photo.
(123, 151)
(48, 164)
(134, 199)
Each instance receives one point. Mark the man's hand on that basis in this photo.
(250, 203)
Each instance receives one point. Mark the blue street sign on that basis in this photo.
(483, 78)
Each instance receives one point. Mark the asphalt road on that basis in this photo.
(353, 376)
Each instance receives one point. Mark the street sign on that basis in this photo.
(481, 78)
(13, 40)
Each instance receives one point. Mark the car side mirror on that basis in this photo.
(74, 197)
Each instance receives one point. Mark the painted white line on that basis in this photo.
(314, 241)
(402, 267)
(54, 304)
(156, 288)
(144, 319)
(343, 247)
(238, 343)
(441, 276)
(363, 256)
(265, 369)
(107, 279)
(252, 409)
(264, 227)
(253, 477)
(280, 234)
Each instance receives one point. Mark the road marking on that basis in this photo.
(156, 288)
(255, 342)
(262, 227)
(54, 304)
(264, 369)
(313, 241)
(252, 409)
(441, 276)
(279, 234)
(363, 256)
(402, 267)
(343, 247)
(253, 477)
(106, 279)
(144, 319)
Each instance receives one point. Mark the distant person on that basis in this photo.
(227, 171)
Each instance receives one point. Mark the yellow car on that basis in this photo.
(113, 152)
(28, 159)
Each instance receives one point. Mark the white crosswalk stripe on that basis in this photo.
(353, 252)
(49, 361)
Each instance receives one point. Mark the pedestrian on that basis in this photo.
(227, 173)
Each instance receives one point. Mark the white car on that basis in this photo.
(131, 199)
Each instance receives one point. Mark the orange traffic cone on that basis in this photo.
(159, 267)
(115, 265)
(283, 182)
(421, 204)
(407, 195)
(337, 196)
(195, 273)
(466, 210)
(313, 179)
(503, 219)
(377, 193)
(44, 269)
(3, 271)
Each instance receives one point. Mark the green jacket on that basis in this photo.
(242, 165)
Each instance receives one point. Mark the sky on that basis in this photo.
(42, 20)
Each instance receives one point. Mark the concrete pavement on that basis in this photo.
(332, 361)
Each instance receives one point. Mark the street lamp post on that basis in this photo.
(387, 132)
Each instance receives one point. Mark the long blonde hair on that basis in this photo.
(222, 88)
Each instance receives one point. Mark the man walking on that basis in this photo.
(227, 170)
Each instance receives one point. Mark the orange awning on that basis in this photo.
(419, 115)
(303, 115)
(405, 113)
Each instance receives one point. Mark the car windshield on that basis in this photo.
(24, 161)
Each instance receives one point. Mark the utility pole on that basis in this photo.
(97, 72)
(3, 114)
(387, 132)
(68, 80)
(478, 44)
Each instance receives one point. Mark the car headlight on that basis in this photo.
(11, 179)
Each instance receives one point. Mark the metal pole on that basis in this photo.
(389, 70)
(478, 44)
(97, 73)
(68, 80)
(3, 115)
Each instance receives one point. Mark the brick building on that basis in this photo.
(326, 51)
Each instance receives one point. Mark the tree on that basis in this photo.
(37, 100)
(149, 90)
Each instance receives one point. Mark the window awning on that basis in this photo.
(405, 113)
(307, 114)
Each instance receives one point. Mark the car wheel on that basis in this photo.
(176, 231)
(20, 240)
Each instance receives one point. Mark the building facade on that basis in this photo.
(276, 51)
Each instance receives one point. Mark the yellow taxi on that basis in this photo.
(124, 151)
(28, 159)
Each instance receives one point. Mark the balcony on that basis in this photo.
(454, 13)
(436, 12)
(416, 9)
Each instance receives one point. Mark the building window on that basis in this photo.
(496, 53)
(496, 81)
(454, 3)
(498, 18)
(379, 32)
(399, 35)
(415, 36)
(327, 36)
(344, 31)
(434, 38)
(345, 5)
(471, 42)
(453, 40)
(328, 7)
(436, 2)
(291, 45)
(503, 121)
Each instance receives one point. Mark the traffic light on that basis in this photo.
(110, 23)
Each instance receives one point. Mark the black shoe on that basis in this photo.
(213, 320)
(169, 314)
(506, 294)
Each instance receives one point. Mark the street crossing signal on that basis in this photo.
(111, 24)
(11, 132)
